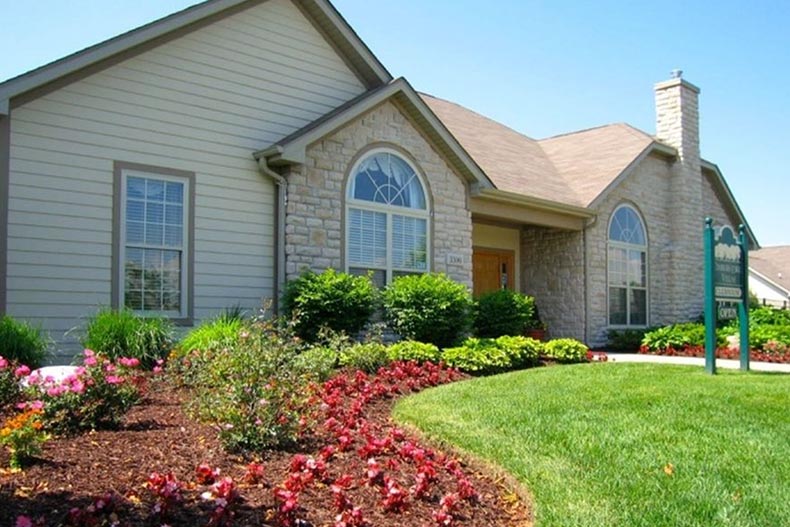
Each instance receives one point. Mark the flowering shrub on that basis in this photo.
(9, 383)
(104, 510)
(167, 491)
(96, 396)
(23, 436)
(224, 498)
(252, 393)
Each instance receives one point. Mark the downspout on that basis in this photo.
(279, 220)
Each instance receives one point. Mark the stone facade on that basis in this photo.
(648, 190)
(315, 231)
(675, 278)
(677, 124)
(552, 270)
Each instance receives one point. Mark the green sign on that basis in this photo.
(727, 311)
(726, 293)
(727, 269)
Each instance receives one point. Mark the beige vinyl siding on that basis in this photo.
(201, 103)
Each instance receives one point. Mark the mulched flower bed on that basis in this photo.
(100, 478)
(780, 357)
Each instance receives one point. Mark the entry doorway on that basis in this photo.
(493, 269)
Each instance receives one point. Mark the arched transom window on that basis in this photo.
(627, 269)
(387, 216)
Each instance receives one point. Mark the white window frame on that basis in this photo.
(389, 210)
(185, 269)
(610, 244)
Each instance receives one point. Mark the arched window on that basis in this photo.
(387, 216)
(627, 268)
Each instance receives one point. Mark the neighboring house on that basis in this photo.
(769, 275)
(200, 161)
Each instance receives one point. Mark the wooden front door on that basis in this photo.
(493, 269)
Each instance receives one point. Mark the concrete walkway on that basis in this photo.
(695, 361)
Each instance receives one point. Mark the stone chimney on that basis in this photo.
(677, 124)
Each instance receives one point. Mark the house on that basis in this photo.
(200, 161)
(769, 275)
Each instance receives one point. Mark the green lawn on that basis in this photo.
(626, 444)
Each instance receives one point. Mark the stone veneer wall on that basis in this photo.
(315, 235)
(648, 190)
(713, 208)
(677, 123)
(675, 280)
(552, 270)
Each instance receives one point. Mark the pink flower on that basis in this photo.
(88, 353)
(24, 521)
(77, 386)
(90, 361)
(36, 405)
(55, 391)
(113, 379)
(109, 368)
(3, 363)
(129, 362)
(22, 371)
(79, 372)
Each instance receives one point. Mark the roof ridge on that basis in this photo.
(585, 130)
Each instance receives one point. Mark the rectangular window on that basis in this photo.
(386, 244)
(153, 241)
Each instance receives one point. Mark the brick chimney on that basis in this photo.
(677, 124)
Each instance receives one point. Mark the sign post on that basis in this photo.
(743, 308)
(726, 276)
(710, 299)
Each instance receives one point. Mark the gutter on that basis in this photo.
(279, 222)
(503, 196)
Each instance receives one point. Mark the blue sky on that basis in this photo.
(541, 67)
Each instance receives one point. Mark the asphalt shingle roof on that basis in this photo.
(571, 168)
(773, 263)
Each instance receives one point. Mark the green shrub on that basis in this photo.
(21, 342)
(523, 351)
(769, 316)
(762, 334)
(428, 308)
(254, 393)
(319, 362)
(676, 336)
(222, 332)
(503, 312)
(478, 355)
(566, 350)
(338, 301)
(413, 350)
(368, 357)
(9, 384)
(121, 333)
(96, 397)
(626, 339)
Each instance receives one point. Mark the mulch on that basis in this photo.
(157, 436)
